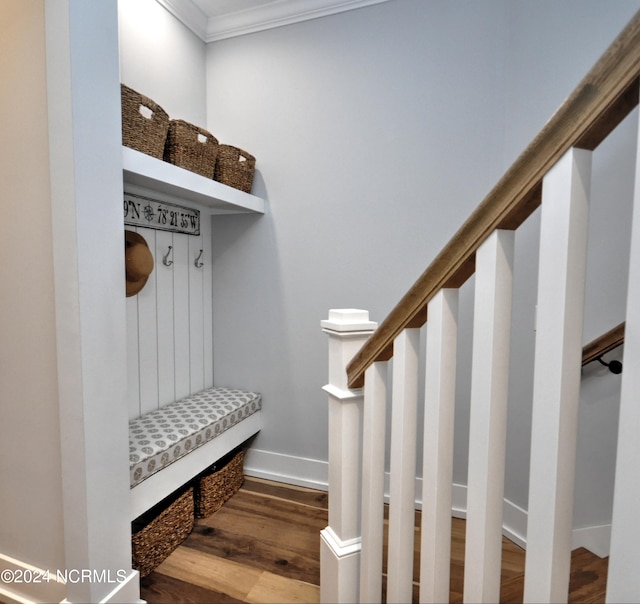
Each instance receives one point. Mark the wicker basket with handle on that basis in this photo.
(160, 531)
(144, 123)
(218, 485)
(235, 167)
(191, 147)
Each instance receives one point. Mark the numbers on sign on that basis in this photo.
(160, 215)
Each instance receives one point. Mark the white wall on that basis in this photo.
(376, 133)
(30, 471)
(162, 59)
(65, 494)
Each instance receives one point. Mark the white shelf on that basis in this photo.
(154, 178)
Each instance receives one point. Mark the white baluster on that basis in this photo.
(340, 546)
(403, 466)
(437, 465)
(558, 354)
(488, 417)
(374, 438)
(623, 584)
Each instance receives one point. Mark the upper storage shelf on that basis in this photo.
(146, 175)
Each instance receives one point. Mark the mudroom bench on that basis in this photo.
(171, 445)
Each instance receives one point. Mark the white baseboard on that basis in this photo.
(313, 473)
(596, 539)
(126, 591)
(279, 467)
(24, 583)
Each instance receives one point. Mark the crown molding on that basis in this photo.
(269, 16)
(189, 14)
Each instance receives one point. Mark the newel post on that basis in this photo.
(347, 329)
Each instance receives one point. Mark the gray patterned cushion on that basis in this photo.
(158, 438)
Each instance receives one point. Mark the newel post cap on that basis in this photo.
(348, 319)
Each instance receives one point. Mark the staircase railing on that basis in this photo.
(554, 172)
(605, 343)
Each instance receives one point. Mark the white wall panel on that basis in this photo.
(148, 334)
(196, 308)
(207, 299)
(133, 362)
(169, 323)
(165, 314)
(181, 315)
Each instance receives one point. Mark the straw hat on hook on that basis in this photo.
(138, 262)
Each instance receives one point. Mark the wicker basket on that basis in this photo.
(144, 123)
(191, 147)
(160, 531)
(235, 167)
(219, 484)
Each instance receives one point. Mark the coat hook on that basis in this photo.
(197, 262)
(165, 258)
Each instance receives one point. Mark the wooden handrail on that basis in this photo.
(605, 343)
(606, 95)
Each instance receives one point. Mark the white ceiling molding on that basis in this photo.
(189, 14)
(273, 14)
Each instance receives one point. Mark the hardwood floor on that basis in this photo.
(263, 546)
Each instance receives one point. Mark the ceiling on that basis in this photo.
(215, 20)
(217, 8)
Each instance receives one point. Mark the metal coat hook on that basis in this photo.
(614, 366)
(165, 258)
(197, 263)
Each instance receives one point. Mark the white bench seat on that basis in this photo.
(171, 445)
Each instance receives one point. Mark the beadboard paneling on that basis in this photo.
(169, 323)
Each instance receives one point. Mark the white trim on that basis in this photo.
(269, 16)
(188, 14)
(48, 585)
(312, 473)
(597, 539)
(127, 591)
(343, 395)
(339, 569)
(514, 523)
(339, 547)
(279, 467)
(46, 588)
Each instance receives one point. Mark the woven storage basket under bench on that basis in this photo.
(159, 531)
(171, 446)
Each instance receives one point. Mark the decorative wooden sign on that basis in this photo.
(160, 215)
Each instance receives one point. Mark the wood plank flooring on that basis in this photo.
(264, 546)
